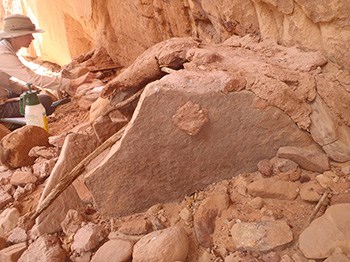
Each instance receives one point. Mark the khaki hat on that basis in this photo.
(17, 25)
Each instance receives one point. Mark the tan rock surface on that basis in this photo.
(284, 83)
(329, 231)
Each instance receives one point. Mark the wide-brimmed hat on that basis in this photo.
(17, 25)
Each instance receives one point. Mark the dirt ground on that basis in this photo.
(66, 117)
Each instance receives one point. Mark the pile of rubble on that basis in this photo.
(230, 152)
(258, 216)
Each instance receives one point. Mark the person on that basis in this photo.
(18, 33)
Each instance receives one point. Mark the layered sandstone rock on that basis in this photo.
(126, 29)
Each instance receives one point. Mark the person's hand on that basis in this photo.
(75, 83)
(36, 88)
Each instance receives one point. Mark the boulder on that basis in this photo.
(88, 93)
(12, 253)
(45, 248)
(312, 159)
(323, 128)
(137, 226)
(5, 175)
(44, 152)
(286, 169)
(169, 244)
(17, 235)
(22, 178)
(42, 168)
(88, 237)
(274, 188)
(114, 250)
(97, 108)
(256, 203)
(14, 147)
(155, 152)
(262, 236)
(265, 167)
(8, 220)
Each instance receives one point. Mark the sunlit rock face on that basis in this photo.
(127, 28)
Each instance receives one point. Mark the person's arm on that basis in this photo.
(11, 65)
(17, 86)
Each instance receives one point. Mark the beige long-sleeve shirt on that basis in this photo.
(11, 67)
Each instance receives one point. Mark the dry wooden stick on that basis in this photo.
(27, 221)
(318, 206)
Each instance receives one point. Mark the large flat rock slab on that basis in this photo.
(158, 161)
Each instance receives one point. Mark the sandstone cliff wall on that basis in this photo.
(127, 28)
